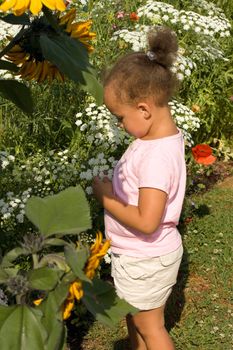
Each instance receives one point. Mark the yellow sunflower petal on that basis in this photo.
(35, 6)
(51, 4)
(37, 302)
(60, 5)
(69, 16)
(20, 4)
(7, 5)
(78, 291)
(68, 308)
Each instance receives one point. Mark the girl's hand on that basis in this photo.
(102, 188)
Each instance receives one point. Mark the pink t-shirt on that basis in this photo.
(149, 163)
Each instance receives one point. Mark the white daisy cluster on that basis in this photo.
(210, 25)
(185, 119)
(206, 52)
(100, 166)
(100, 128)
(12, 208)
(136, 38)
(183, 65)
(209, 8)
(39, 176)
(7, 29)
(5, 159)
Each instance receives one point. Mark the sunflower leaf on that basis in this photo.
(18, 93)
(8, 66)
(12, 19)
(71, 58)
(64, 213)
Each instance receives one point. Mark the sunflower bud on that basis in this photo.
(33, 243)
(18, 285)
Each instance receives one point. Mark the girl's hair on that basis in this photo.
(139, 75)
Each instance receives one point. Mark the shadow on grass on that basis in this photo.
(176, 301)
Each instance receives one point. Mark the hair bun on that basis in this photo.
(163, 42)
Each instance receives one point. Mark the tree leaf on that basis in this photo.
(21, 328)
(8, 66)
(71, 58)
(64, 213)
(101, 300)
(43, 278)
(12, 19)
(76, 260)
(18, 93)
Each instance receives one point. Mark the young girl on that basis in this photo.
(143, 202)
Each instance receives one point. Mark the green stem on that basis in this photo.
(18, 299)
(35, 261)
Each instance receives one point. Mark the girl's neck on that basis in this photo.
(162, 125)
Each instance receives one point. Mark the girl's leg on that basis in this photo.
(150, 325)
(136, 341)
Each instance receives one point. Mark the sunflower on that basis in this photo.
(27, 55)
(98, 251)
(31, 68)
(75, 292)
(78, 30)
(20, 6)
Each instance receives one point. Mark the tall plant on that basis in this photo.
(43, 295)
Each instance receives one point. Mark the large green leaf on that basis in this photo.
(18, 93)
(12, 255)
(101, 300)
(21, 328)
(53, 320)
(8, 66)
(43, 278)
(64, 213)
(76, 260)
(71, 58)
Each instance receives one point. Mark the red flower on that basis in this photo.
(203, 154)
(133, 16)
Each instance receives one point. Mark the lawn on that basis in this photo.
(200, 310)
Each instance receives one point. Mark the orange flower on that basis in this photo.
(133, 16)
(196, 108)
(202, 154)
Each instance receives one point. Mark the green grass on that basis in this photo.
(200, 310)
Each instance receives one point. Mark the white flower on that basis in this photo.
(89, 190)
(83, 127)
(5, 162)
(20, 218)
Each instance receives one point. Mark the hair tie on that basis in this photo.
(151, 55)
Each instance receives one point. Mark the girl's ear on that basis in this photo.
(145, 109)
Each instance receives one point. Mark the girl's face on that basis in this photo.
(134, 118)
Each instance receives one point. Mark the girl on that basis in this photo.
(143, 202)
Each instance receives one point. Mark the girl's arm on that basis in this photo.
(146, 217)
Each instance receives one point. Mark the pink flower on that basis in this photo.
(231, 98)
(120, 14)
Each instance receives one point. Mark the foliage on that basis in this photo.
(49, 276)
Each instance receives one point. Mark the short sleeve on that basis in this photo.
(155, 172)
